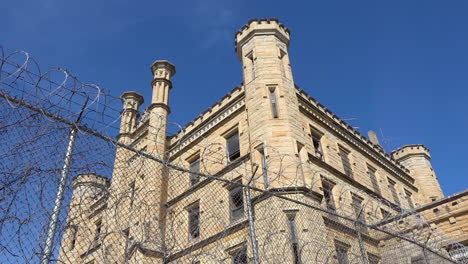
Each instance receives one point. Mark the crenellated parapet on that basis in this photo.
(417, 159)
(89, 185)
(409, 150)
(261, 26)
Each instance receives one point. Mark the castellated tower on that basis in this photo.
(270, 95)
(88, 190)
(418, 160)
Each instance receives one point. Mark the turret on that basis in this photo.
(162, 71)
(270, 95)
(417, 159)
(88, 187)
(131, 103)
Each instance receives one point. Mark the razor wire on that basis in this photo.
(130, 203)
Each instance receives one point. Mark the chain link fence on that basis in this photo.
(58, 157)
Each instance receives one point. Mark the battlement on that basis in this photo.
(261, 26)
(91, 180)
(415, 149)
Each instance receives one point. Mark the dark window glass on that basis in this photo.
(317, 146)
(236, 204)
(97, 232)
(132, 193)
(328, 196)
(373, 178)
(240, 257)
(294, 238)
(342, 254)
(74, 234)
(359, 210)
(194, 222)
(233, 146)
(392, 187)
(274, 103)
(408, 199)
(264, 167)
(344, 154)
(373, 259)
(194, 168)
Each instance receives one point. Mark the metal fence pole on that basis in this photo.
(52, 229)
(357, 226)
(253, 236)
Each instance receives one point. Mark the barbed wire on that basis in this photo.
(262, 206)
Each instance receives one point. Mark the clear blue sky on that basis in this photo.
(396, 66)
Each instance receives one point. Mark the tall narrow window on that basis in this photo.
(358, 208)
(293, 237)
(233, 149)
(126, 234)
(236, 203)
(97, 231)
(316, 142)
(344, 155)
(74, 234)
(342, 252)
(408, 199)
(132, 193)
(392, 187)
(328, 195)
(264, 165)
(251, 65)
(274, 102)
(194, 169)
(239, 256)
(194, 221)
(373, 178)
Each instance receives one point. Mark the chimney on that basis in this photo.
(373, 138)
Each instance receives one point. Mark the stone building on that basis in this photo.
(269, 134)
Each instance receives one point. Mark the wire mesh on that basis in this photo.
(130, 202)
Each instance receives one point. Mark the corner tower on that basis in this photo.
(417, 159)
(270, 94)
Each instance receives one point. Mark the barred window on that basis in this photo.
(236, 202)
(316, 142)
(194, 169)
(239, 256)
(327, 188)
(392, 187)
(293, 237)
(233, 149)
(344, 155)
(408, 199)
(342, 252)
(194, 221)
(373, 178)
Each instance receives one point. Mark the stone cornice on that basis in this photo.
(206, 126)
(197, 121)
(332, 121)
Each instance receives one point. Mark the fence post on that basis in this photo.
(253, 236)
(52, 228)
(357, 226)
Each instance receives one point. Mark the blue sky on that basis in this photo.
(400, 67)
